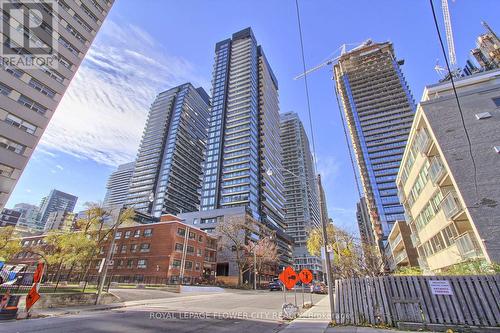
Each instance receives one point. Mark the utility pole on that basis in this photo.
(108, 257)
(328, 265)
(254, 269)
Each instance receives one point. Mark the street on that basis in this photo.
(231, 311)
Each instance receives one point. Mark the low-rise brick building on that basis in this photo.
(168, 251)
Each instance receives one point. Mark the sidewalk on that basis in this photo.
(317, 319)
(314, 320)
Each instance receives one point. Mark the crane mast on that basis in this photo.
(449, 34)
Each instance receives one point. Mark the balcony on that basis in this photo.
(468, 246)
(451, 205)
(422, 141)
(436, 169)
(400, 257)
(396, 241)
(422, 262)
(415, 240)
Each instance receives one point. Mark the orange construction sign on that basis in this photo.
(289, 277)
(37, 276)
(32, 297)
(305, 276)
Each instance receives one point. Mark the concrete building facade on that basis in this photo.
(379, 109)
(451, 205)
(30, 95)
(9, 217)
(166, 177)
(403, 252)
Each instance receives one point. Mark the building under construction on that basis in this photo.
(379, 111)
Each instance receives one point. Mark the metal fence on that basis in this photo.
(392, 300)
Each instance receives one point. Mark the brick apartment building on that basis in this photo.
(158, 253)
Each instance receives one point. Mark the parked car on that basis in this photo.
(275, 285)
(319, 288)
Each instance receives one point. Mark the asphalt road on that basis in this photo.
(231, 311)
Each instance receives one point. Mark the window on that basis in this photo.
(192, 235)
(188, 265)
(42, 88)
(133, 248)
(197, 266)
(148, 232)
(30, 104)
(123, 249)
(190, 249)
(137, 234)
(6, 170)
(198, 252)
(19, 123)
(496, 100)
(200, 238)
(145, 247)
(179, 247)
(127, 234)
(120, 263)
(176, 263)
(4, 90)
(130, 263)
(181, 232)
(101, 250)
(12, 146)
(118, 235)
(141, 263)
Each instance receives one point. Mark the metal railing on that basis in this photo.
(400, 257)
(467, 245)
(436, 169)
(422, 141)
(396, 241)
(450, 205)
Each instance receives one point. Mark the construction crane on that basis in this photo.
(449, 34)
(343, 50)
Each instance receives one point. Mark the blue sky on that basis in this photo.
(149, 46)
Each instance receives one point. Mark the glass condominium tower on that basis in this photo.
(301, 193)
(243, 160)
(379, 111)
(166, 177)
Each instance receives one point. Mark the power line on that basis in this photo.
(347, 143)
(306, 88)
(456, 97)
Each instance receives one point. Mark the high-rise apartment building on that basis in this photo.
(364, 223)
(60, 220)
(167, 172)
(243, 160)
(29, 94)
(379, 110)
(56, 201)
(301, 195)
(118, 185)
(29, 214)
(450, 189)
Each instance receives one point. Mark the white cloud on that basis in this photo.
(102, 114)
(59, 167)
